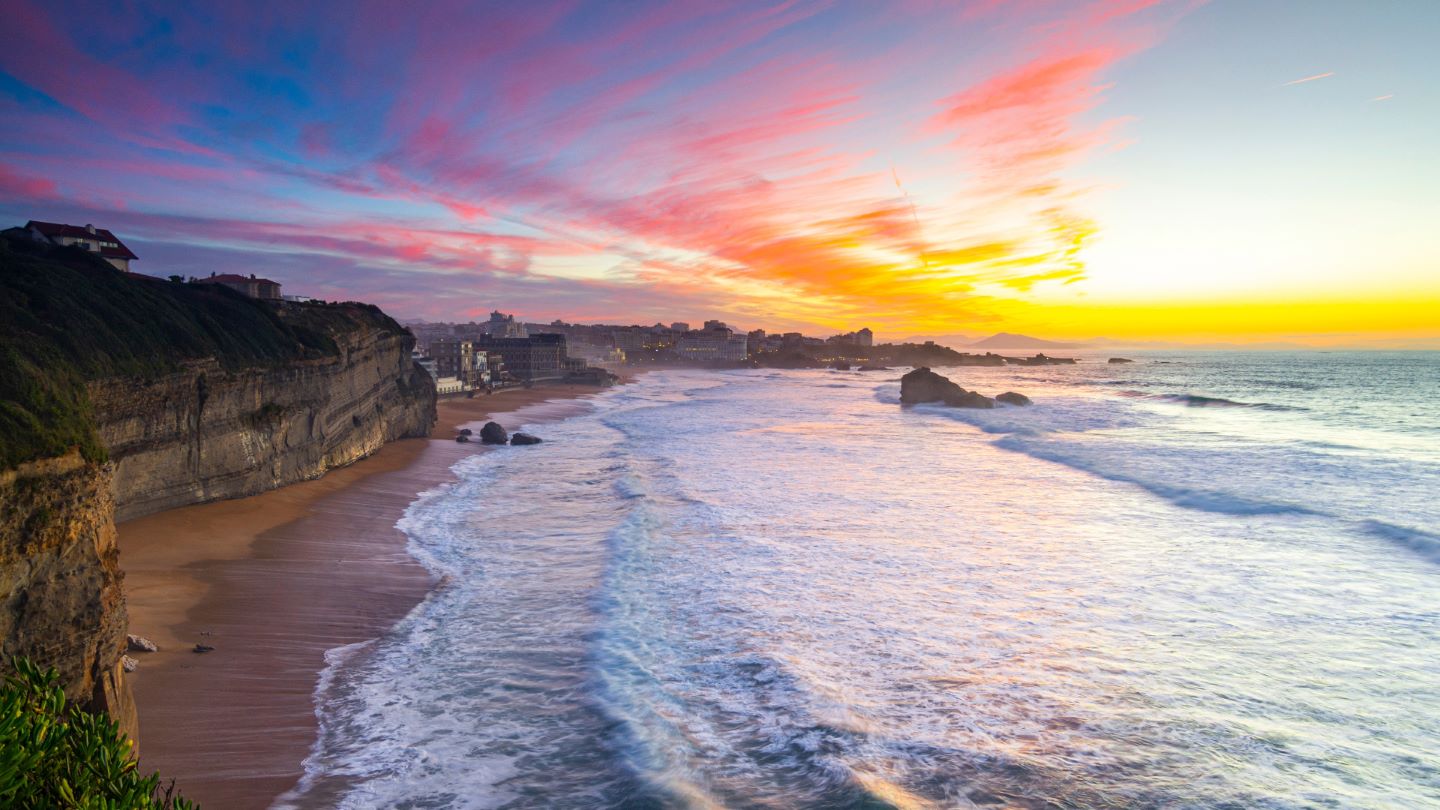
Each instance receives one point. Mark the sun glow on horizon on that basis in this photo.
(1075, 170)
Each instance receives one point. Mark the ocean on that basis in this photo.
(1201, 580)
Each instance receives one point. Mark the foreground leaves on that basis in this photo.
(54, 755)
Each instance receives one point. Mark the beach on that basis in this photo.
(271, 582)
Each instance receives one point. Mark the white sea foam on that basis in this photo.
(759, 589)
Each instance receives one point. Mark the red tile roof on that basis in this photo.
(55, 230)
(234, 278)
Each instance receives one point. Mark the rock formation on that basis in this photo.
(493, 433)
(1121, 360)
(524, 438)
(61, 602)
(924, 385)
(207, 433)
(126, 396)
(1012, 398)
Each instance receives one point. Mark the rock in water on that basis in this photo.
(140, 644)
(1012, 398)
(466, 431)
(462, 439)
(924, 385)
(1121, 360)
(492, 433)
(524, 438)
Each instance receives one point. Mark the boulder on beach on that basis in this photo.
(128, 663)
(524, 438)
(1012, 398)
(140, 644)
(492, 433)
(462, 438)
(467, 431)
(203, 648)
(1121, 360)
(924, 385)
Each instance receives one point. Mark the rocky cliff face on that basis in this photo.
(121, 396)
(200, 434)
(60, 597)
(206, 433)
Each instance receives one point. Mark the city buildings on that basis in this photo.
(553, 350)
(458, 358)
(713, 344)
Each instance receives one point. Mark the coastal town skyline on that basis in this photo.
(1168, 172)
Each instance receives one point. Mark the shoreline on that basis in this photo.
(273, 581)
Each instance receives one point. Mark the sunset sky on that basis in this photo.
(1134, 169)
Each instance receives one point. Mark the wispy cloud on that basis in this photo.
(1316, 77)
(574, 158)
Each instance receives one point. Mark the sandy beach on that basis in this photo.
(271, 582)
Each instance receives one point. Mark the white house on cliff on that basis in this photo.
(85, 237)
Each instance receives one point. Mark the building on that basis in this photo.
(862, 338)
(427, 363)
(712, 346)
(537, 357)
(261, 288)
(503, 326)
(680, 326)
(459, 359)
(86, 237)
(630, 338)
(449, 385)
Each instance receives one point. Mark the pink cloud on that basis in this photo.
(26, 186)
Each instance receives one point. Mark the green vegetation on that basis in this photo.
(54, 755)
(67, 317)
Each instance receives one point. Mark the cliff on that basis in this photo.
(205, 432)
(60, 598)
(123, 395)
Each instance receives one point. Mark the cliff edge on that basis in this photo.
(122, 395)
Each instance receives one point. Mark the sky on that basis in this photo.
(1144, 170)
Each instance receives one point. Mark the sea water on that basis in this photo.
(1198, 580)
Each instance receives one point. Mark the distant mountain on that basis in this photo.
(1006, 340)
(952, 341)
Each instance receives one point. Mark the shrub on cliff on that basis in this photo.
(53, 755)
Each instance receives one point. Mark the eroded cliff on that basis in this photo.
(122, 395)
(207, 433)
(61, 601)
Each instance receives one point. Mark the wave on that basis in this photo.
(1202, 401)
(1424, 543)
(1201, 499)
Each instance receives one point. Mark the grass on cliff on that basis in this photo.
(54, 755)
(67, 317)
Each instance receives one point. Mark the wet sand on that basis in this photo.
(272, 582)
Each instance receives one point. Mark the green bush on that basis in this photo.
(54, 755)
